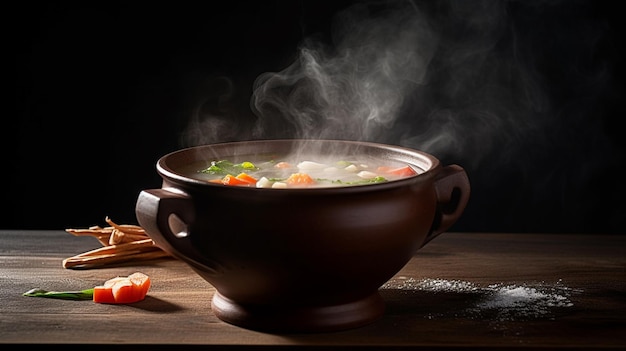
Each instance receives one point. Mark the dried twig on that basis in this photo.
(120, 242)
(104, 259)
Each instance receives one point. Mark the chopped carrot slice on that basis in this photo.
(102, 294)
(121, 290)
(141, 282)
(300, 179)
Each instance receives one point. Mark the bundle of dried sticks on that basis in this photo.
(121, 242)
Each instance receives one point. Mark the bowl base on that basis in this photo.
(299, 319)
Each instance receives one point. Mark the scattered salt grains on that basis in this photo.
(404, 283)
(504, 302)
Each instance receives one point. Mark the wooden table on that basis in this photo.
(462, 290)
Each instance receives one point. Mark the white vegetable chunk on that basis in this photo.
(279, 185)
(352, 168)
(264, 183)
(367, 174)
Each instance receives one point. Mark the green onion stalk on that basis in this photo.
(86, 294)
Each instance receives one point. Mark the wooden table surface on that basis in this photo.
(462, 290)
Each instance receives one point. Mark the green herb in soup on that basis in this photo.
(224, 167)
(303, 174)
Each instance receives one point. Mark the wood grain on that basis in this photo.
(587, 270)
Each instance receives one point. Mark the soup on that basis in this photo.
(303, 172)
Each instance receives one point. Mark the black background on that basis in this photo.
(105, 89)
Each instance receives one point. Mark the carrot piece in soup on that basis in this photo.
(300, 179)
(246, 178)
(230, 179)
(402, 171)
(282, 165)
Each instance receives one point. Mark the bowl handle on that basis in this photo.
(165, 216)
(453, 189)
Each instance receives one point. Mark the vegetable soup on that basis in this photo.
(304, 172)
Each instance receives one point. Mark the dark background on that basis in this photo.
(105, 89)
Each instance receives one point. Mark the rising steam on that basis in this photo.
(355, 88)
(499, 87)
(399, 72)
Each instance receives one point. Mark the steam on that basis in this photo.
(354, 89)
(461, 80)
(496, 86)
(400, 72)
(397, 72)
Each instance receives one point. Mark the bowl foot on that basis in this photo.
(299, 319)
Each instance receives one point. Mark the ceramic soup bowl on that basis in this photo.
(300, 259)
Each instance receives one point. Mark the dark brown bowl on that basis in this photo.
(300, 260)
